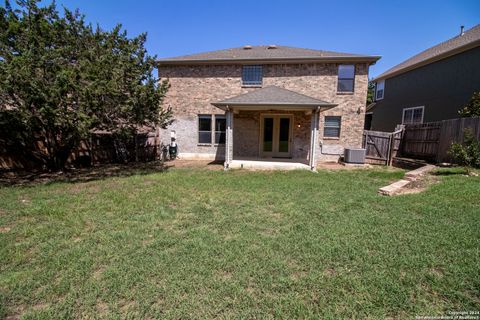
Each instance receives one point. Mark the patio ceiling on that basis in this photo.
(272, 96)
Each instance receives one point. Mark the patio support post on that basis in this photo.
(313, 139)
(229, 139)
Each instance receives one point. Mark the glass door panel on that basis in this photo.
(267, 134)
(284, 135)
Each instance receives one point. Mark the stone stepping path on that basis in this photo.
(411, 176)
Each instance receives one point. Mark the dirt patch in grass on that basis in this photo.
(437, 272)
(297, 275)
(224, 275)
(5, 229)
(420, 185)
(97, 274)
(101, 307)
(126, 305)
(203, 164)
(329, 272)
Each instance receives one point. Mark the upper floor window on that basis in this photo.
(379, 90)
(252, 75)
(346, 78)
(412, 115)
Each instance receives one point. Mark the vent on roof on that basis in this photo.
(462, 32)
(247, 47)
(272, 46)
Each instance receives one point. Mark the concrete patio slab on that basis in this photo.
(267, 165)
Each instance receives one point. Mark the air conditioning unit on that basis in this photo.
(354, 156)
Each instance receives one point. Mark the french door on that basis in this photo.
(276, 135)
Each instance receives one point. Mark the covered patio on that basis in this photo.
(272, 128)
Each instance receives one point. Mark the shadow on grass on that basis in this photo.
(82, 175)
(450, 171)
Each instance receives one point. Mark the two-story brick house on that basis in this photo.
(266, 102)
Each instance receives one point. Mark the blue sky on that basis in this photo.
(393, 29)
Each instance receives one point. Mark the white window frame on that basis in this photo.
(377, 89)
(413, 109)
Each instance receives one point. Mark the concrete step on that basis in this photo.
(393, 188)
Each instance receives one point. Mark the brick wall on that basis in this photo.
(194, 88)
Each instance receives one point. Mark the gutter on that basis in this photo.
(369, 59)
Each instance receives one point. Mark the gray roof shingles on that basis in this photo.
(272, 96)
(470, 37)
(265, 53)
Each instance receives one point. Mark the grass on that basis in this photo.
(192, 243)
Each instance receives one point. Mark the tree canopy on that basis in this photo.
(472, 108)
(61, 78)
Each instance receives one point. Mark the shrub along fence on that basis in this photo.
(432, 140)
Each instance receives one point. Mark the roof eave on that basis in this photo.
(369, 59)
(225, 105)
(442, 56)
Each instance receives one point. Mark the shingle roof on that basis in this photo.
(265, 53)
(273, 96)
(470, 39)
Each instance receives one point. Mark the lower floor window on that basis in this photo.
(412, 115)
(332, 126)
(205, 130)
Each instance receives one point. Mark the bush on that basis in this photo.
(467, 154)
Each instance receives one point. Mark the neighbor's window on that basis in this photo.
(332, 125)
(252, 75)
(346, 77)
(220, 126)
(379, 90)
(412, 115)
(204, 129)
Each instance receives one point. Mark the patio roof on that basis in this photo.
(274, 96)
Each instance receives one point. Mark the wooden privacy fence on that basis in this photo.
(381, 147)
(432, 140)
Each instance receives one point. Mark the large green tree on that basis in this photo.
(472, 108)
(61, 78)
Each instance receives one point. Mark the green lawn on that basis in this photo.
(192, 243)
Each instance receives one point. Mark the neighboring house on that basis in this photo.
(430, 86)
(266, 102)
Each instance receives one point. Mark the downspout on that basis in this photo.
(227, 140)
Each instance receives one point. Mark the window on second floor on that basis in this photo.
(346, 78)
(380, 90)
(252, 75)
(412, 115)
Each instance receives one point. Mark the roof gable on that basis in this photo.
(458, 44)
